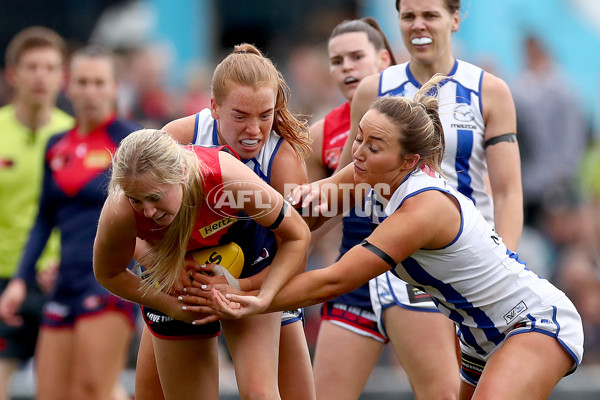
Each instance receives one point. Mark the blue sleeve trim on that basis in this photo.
(277, 146)
(196, 128)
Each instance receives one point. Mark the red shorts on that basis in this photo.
(360, 320)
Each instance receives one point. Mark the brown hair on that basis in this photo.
(247, 66)
(30, 38)
(418, 122)
(155, 153)
(369, 26)
(97, 51)
(451, 5)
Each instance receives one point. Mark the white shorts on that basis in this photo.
(291, 316)
(558, 318)
(388, 290)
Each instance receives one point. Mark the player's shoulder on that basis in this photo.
(316, 130)
(493, 86)
(182, 129)
(497, 100)
(286, 155)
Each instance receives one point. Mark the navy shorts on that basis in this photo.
(19, 342)
(64, 313)
(165, 327)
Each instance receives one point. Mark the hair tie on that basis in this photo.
(241, 52)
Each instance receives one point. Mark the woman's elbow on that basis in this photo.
(306, 235)
(101, 276)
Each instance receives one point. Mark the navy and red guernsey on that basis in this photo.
(75, 184)
(336, 128)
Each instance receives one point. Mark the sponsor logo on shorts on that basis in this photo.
(354, 314)
(55, 310)
(515, 311)
(91, 302)
(416, 295)
(216, 226)
(297, 313)
(471, 367)
(155, 318)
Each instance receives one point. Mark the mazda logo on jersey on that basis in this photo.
(463, 113)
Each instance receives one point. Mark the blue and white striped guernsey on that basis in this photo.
(464, 128)
(480, 284)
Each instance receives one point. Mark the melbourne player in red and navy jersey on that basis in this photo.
(171, 186)
(74, 188)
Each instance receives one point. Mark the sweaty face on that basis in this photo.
(159, 202)
(427, 27)
(38, 76)
(376, 152)
(92, 88)
(351, 58)
(245, 119)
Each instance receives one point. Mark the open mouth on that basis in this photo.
(249, 142)
(421, 41)
(350, 80)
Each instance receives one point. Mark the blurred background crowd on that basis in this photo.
(547, 50)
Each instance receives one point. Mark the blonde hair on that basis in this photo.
(247, 66)
(153, 153)
(418, 122)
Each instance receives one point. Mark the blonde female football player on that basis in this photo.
(172, 198)
(249, 112)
